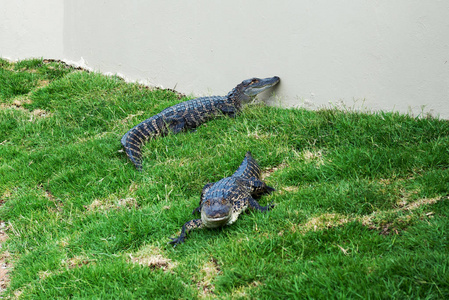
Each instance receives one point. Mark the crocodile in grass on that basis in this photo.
(190, 114)
(223, 201)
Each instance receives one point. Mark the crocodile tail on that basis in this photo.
(248, 168)
(132, 148)
(133, 140)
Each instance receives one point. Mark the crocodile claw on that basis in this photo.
(268, 207)
(176, 241)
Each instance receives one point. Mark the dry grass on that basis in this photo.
(208, 272)
(114, 203)
(76, 261)
(5, 259)
(18, 104)
(152, 257)
(372, 221)
(267, 173)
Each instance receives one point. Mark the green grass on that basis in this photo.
(361, 201)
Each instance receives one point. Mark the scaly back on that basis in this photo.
(248, 168)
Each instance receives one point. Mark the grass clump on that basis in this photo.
(361, 201)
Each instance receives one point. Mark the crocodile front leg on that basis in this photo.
(229, 109)
(197, 223)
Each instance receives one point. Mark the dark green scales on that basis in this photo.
(190, 114)
(223, 201)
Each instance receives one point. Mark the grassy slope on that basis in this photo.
(361, 202)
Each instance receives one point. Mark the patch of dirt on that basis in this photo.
(76, 262)
(66, 65)
(43, 83)
(108, 204)
(312, 157)
(372, 221)
(204, 279)
(40, 113)
(325, 221)
(5, 260)
(133, 187)
(125, 120)
(153, 258)
(59, 205)
(21, 102)
(6, 194)
(403, 221)
(64, 242)
(290, 189)
(309, 155)
(266, 173)
(18, 105)
(242, 291)
(421, 202)
(258, 136)
(44, 274)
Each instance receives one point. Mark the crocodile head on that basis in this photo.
(216, 212)
(249, 88)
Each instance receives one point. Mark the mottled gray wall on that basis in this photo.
(389, 55)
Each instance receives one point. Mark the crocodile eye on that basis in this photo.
(207, 203)
(223, 201)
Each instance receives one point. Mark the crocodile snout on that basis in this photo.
(217, 213)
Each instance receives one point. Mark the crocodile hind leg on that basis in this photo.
(255, 205)
(197, 223)
(176, 125)
(230, 110)
(259, 188)
(256, 187)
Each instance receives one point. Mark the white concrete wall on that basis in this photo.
(389, 55)
(30, 28)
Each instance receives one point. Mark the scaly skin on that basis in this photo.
(223, 201)
(190, 114)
